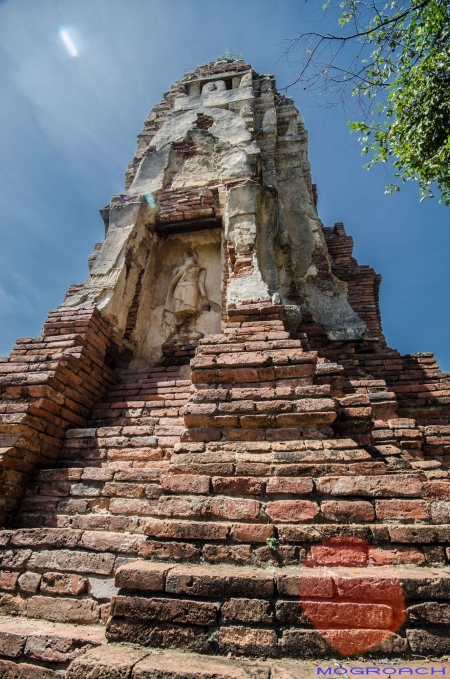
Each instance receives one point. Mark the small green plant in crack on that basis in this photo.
(229, 56)
(272, 543)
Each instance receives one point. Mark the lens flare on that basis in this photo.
(68, 41)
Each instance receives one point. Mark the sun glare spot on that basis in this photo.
(68, 41)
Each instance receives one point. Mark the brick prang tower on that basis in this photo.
(211, 450)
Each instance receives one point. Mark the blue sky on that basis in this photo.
(68, 127)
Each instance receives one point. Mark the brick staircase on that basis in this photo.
(263, 497)
(81, 520)
(420, 389)
(280, 612)
(289, 513)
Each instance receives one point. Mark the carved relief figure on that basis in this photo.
(186, 294)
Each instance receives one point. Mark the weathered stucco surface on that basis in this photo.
(235, 135)
(153, 324)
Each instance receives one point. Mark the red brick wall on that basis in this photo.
(48, 384)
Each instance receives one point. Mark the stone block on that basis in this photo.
(238, 485)
(12, 670)
(371, 486)
(392, 556)
(82, 611)
(286, 511)
(8, 580)
(162, 635)
(115, 662)
(167, 666)
(186, 483)
(108, 541)
(11, 644)
(15, 558)
(67, 561)
(413, 534)
(429, 613)
(357, 641)
(187, 530)
(279, 485)
(142, 575)
(63, 583)
(305, 644)
(240, 555)
(338, 553)
(247, 611)
(306, 583)
(327, 615)
(29, 582)
(434, 641)
(101, 588)
(164, 610)
(291, 613)
(123, 489)
(209, 508)
(351, 512)
(219, 581)
(244, 641)
(166, 551)
(403, 510)
(247, 532)
(132, 506)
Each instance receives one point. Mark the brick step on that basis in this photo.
(114, 437)
(154, 403)
(280, 612)
(207, 520)
(224, 355)
(177, 377)
(107, 472)
(130, 453)
(51, 644)
(137, 441)
(232, 541)
(263, 464)
(225, 345)
(256, 427)
(52, 574)
(270, 434)
(146, 394)
(68, 572)
(261, 394)
(147, 382)
(142, 398)
(142, 663)
(285, 458)
(286, 500)
(163, 372)
(246, 334)
(163, 379)
(389, 497)
(258, 359)
(243, 543)
(95, 482)
(131, 413)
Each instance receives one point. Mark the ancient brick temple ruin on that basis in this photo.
(211, 452)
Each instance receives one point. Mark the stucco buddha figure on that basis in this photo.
(186, 294)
